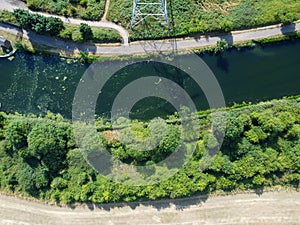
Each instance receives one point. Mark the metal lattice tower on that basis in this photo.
(156, 9)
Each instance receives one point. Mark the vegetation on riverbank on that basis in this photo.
(85, 9)
(39, 156)
(188, 18)
(191, 17)
(55, 27)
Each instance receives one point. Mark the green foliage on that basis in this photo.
(86, 9)
(106, 36)
(54, 26)
(220, 47)
(191, 18)
(86, 31)
(38, 157)
(6, 16)
(244, 15)
(77, 36)
(48, 142)
(38, 23)
(17, 132)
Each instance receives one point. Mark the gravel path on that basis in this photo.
(269, 208)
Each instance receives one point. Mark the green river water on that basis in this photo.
(38, 83)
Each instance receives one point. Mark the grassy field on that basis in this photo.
(190, 17)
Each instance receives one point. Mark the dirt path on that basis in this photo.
(269, 208)
(107, 2)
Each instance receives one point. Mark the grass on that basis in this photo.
(100, 35)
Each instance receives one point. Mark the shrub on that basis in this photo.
(106, 35)
(38, 23)
(86, 31)
(67, 32)
(77, 36)
(54, 25)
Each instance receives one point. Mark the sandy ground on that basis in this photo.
(269, 208)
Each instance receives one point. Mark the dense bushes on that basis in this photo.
(86, 9)
(55, 27)
(98, 35)
(38, 157)
(38, 23)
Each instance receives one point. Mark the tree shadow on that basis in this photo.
(288, 29)
(223, 63)
(178, 204)
(259, 190)
(228, 38)
(63, 46)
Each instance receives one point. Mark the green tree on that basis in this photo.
(54, 26)
(86, 31)
(17, 132)
(48, 142)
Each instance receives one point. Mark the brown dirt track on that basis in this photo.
(269, 208)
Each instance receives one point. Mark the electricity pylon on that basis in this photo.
(156, 9)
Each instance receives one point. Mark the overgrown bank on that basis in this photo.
(52, 26)
(39, 156)
(189, 17)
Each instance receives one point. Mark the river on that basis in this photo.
(38, 83)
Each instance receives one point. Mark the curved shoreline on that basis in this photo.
(9, 54)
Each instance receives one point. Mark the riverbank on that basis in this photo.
(139, 48)
(268, 130)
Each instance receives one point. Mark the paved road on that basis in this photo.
(143, 47)
(269, 208)
(10, 5)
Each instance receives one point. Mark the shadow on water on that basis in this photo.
(228, 38)
(222, 63)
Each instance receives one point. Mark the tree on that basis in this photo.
(48, 142)
(54, 26)
(23, 18)
(16, 133)
(38, 23)
(86, 31)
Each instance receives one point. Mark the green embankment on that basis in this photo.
(55, 27)
(85, 9)
(187, 18)
(190, 17)
(39, 157)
